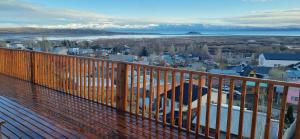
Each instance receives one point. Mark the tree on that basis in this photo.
(45, 44)
(2, 44)
(204, 51)
(277, 74)
(171, 49)
(144, 52)
(289, 116)
(219, 55)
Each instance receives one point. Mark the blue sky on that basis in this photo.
(147, 13)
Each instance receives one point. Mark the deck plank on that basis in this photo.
(54, 114)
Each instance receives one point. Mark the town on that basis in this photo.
(273, 61)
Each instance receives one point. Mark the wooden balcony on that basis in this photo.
(45, 95)
(33, 111)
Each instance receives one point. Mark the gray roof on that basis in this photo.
(260, 123)
(282, 56)
(221, 71)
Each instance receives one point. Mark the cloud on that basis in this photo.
(276, 18)
(24, 11)
(19, 13)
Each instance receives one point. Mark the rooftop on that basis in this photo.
(282, 56)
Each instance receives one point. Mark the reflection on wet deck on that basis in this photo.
(34, 111)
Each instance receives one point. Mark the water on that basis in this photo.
(162, 34)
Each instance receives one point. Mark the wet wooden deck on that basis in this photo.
(32, 111)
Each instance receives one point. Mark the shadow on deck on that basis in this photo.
(34, 111)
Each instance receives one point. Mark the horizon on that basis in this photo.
(134, 14)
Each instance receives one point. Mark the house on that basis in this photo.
(256, 72)
(120, 57)
(167, 59)
(224, 71)
(87, 51)
(251, 71)
(278, 59)
(260, 123)
(293, 94)
(73, 51)
(16, 45)
(293, 75)
(295, 66)
(185, 96)
(60, 50)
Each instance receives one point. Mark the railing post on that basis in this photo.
(1, 123)
(32, 66)
(297, 132)
(122, 86)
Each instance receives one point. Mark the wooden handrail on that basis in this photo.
(170, 101)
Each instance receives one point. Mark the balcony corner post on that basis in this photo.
(122, 86)
(297, 132)
(32, 66)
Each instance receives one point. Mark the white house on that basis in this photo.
(16, 45)
(260, 123)
(278, 59)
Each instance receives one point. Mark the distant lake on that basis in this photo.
(162, 34)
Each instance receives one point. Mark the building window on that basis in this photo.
(294, 98)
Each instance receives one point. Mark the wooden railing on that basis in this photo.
(174, 97)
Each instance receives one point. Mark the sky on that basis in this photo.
(148, 13)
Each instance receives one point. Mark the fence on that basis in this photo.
(173, 97)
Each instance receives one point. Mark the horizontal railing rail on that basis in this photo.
(198, 102)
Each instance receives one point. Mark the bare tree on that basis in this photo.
(2, 44)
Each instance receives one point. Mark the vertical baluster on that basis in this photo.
(199, 102)
(77, 76)
(107, 83)
(157, 95)
(81, 81)
(37, 68)
(75, 71)
(173, 97)
(165, 97)
(144, 91)
(207, 117)
(54, 72)
(151, 93)
(229, 114)
(94, 80)
(66, 74)
(282, 112)
(132, 89)
(269, 110)
(242, 107)
(51, 71)
(71, 68)
(138, 90)
(98, 81)
(102, 83)
(89, 79)
(61, 73)
(112, 84)
(190, 95)
(218, 120)
(43, 70)
(180, 100)
(84, 78)
(255, 107)
(48, 71)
